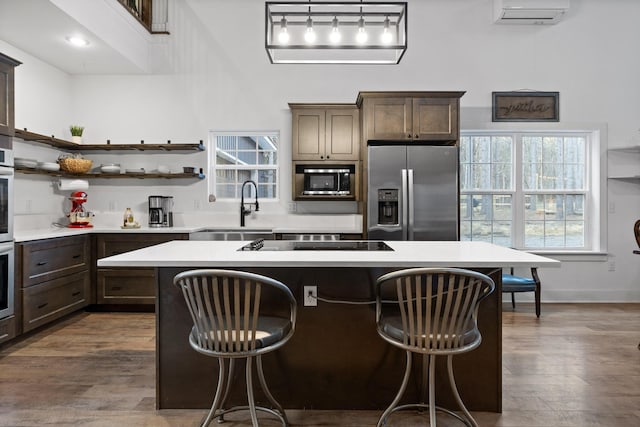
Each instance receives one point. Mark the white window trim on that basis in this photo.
(596, 233)
(211, 180)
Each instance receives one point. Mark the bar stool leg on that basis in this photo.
(216, 399)
(432, 389)
(227, 388)
(425, 381)
(267, 392)
(407, 372)
(454, 389)
(252, 402)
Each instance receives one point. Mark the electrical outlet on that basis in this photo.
(612, 207)
(292, 207)
(612, 266)
(196, 204)
(310, 296)
(112, 205)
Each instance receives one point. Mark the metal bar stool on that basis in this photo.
(229, 324)
(512, 284)
(433, 312)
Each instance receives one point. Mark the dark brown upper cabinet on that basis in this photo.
(410, 116)
(7, 66)
(325, 132)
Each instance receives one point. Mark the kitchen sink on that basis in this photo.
(217, 234)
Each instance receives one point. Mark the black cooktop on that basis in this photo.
(295, 245)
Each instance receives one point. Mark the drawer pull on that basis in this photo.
(42, 263)
(75, 294)
(116, 288)
(76, 256)
(43, 305)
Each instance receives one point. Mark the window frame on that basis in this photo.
(212, 165)
(595, 188)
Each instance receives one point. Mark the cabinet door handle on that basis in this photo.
(76, 256)
(321, 157)
(409, 136)
(43, 305)
(417, 136)
(42, 263)
(327, 157)
(75, 294)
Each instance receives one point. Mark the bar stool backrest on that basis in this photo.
(225, 307)
(433, 310)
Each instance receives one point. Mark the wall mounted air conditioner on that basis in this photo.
(529, 11)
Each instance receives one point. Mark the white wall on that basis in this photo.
(222, 80)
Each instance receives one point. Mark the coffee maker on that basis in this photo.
(160, 211)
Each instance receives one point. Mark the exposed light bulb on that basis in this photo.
(335, 36)
(310, 35)
(361, 36)
(283, 35)
(386, 36)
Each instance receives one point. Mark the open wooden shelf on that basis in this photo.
(26, 135)
(109, 175)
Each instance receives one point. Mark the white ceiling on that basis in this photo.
(40, 28)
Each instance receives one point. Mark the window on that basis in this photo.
(528, 190)
(243, 156)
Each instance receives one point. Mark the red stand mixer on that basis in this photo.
(78, 217)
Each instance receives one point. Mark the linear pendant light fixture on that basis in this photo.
(316, 32)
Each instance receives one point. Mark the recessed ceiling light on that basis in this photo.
(78, 41)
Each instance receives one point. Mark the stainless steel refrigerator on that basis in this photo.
(413, 192)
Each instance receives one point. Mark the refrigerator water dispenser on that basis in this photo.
(388, 207)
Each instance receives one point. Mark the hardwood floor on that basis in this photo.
(578, 365)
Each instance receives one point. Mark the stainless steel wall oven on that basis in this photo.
(6, 279)
(6, 233)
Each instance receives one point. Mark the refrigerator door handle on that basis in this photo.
(410, 197)
(405, 204)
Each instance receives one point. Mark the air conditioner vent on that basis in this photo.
(529, 11)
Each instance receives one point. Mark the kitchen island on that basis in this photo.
(336, 360)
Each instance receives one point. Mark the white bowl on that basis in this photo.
(141, 170)
(48, 166)
(110, 168)
(25, 163)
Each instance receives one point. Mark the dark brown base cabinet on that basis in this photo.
(54, 298)
(128, 286)
(7, 328)
(55, 278)
(123, 286)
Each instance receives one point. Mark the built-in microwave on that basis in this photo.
(326, 180)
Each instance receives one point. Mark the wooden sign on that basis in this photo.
(526, 107)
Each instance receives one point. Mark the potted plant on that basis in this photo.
(76, 133)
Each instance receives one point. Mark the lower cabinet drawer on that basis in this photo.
(7, 328)
(127, 286)
(53, 299)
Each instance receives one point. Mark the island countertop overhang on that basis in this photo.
(217, 254)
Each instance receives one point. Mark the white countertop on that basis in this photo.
(205, 254)
(48, 233)
(41, 228)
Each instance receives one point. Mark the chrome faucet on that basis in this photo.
(243, 211)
